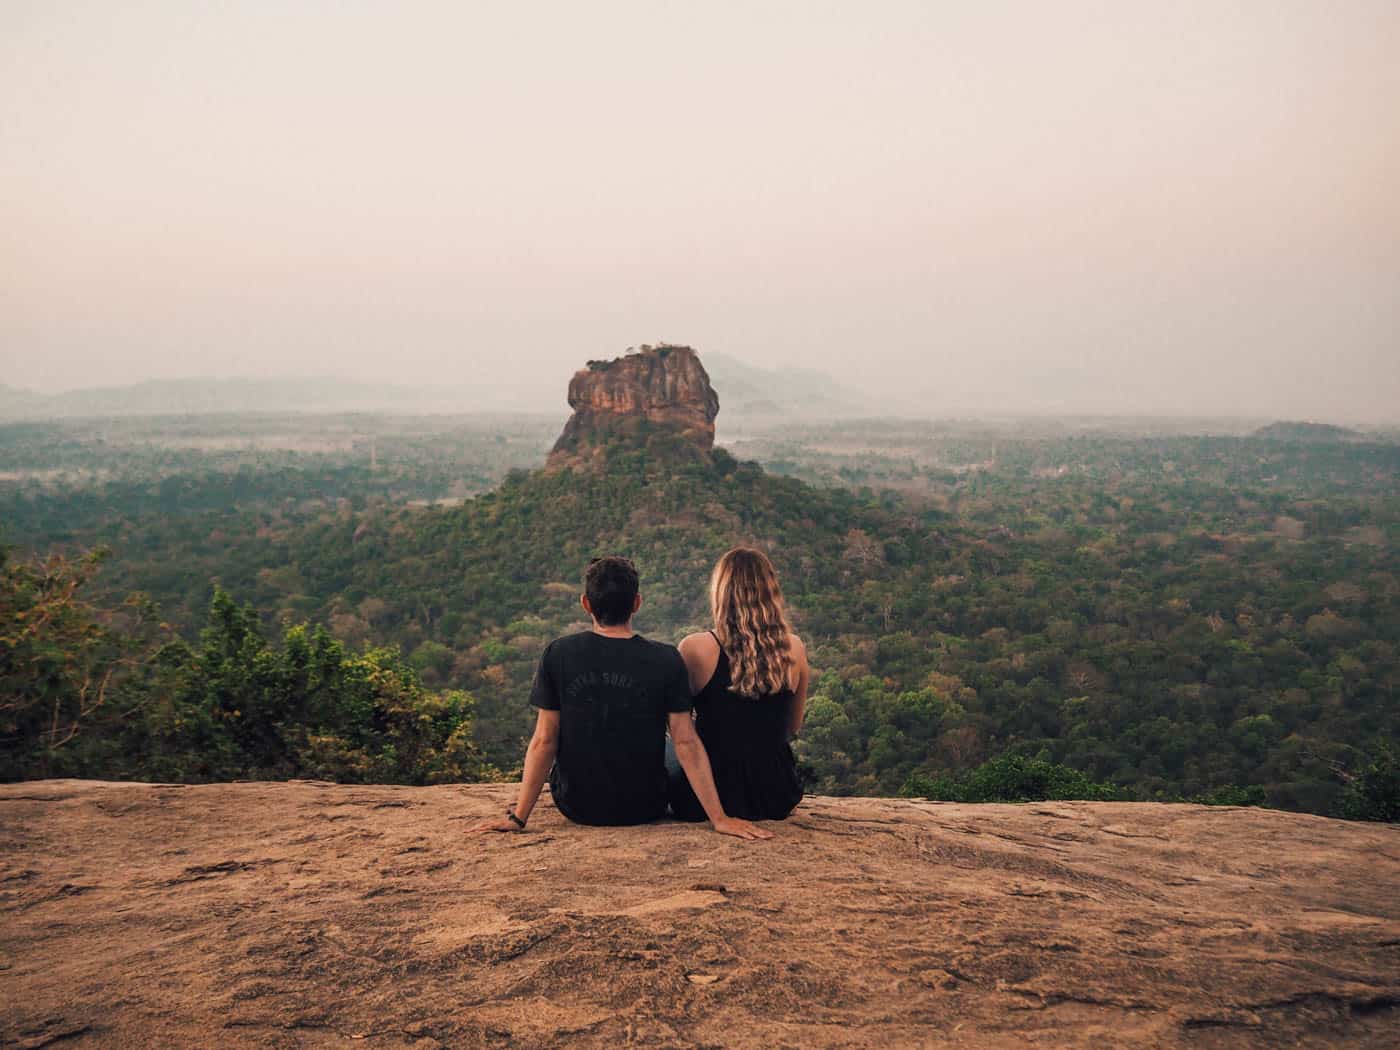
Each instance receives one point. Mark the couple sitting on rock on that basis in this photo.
(607, 697)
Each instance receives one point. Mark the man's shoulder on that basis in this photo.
(648, 649)
(665, 657)
(663, 649)
(568, 641)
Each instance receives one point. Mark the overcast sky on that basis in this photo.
(1181, 207)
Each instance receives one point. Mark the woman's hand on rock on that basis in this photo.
(741, 829)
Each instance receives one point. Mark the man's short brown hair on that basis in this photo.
(611, 585)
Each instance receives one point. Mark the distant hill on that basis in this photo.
(1287, 430)
(20, 404)
(748, 392)
(214, 395)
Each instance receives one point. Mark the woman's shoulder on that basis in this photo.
(699, 641)
(701, 653)
(699, 648)
(798, 647)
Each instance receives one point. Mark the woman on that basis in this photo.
(749, 676)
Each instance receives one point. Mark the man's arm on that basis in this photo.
(539, 759)
(690, 750)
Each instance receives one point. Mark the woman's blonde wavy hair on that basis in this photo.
(751, 622)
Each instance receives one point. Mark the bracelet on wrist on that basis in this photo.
(510, 814)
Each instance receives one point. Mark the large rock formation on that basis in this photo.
(660, 391)
(313, 915)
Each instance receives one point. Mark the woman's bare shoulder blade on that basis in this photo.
(699, 651)
(698, 642)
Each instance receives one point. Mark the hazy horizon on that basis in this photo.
(524, 401)
(1134, 209)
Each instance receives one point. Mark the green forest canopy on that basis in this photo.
(1174, 617)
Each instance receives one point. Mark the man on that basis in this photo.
(605, 698)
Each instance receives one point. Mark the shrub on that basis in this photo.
(1374, 793)
(1231, 795)
(1011, 778)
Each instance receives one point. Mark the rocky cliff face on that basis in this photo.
(657, 391)
(312, 915)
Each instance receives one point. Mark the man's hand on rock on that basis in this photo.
(741, 829)
(503, 824)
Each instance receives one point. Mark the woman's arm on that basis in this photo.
(690, 752)
(799, 692)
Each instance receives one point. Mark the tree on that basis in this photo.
(1374, 793)
(63, 662)
(1011, 778)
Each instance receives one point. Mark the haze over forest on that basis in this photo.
(1085, 207)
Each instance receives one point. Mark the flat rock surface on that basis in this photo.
(313, 915)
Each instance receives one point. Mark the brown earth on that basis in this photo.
(314, 915)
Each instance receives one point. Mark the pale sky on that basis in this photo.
(1173, 207)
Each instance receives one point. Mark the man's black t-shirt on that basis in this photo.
(613, 696)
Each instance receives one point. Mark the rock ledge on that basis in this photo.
(307, 914)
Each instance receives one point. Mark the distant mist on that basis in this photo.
(1181, 208)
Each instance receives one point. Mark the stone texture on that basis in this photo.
(630, 399)
(313, 915)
